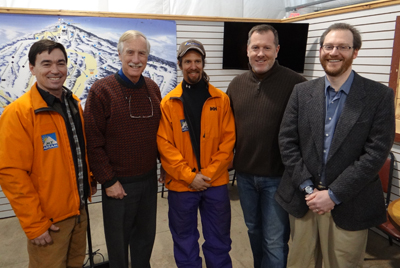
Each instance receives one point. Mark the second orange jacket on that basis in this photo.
(216, 145)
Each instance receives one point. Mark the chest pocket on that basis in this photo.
(212, 121)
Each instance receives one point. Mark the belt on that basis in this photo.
(321, 187)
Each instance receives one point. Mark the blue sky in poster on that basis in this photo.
(161, 33)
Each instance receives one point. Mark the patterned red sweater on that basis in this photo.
(118, 145)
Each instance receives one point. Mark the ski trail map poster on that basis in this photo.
(91, 44)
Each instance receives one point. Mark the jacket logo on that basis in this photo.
(213, 108)
(49, 141)
(184, 125)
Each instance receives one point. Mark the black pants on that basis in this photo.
(131, 221)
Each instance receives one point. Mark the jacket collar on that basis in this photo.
(38, 102)
(177, 92)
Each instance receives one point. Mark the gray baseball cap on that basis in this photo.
(191, 44)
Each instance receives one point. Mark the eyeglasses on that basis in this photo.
(141, 116)
(341, 48)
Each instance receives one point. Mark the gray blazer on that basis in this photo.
(363, 138)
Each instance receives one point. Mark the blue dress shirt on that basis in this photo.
(334, 102)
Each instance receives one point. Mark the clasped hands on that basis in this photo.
(199, 182)
(319, 202)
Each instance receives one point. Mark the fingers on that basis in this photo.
(48, 239)
(320, 211)
(310, 197)
(94, 190)
(116, 191)
(43, 239)
(201, 188)
(54, 228)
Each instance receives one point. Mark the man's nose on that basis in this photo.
(260, 53)
(54, 68)
(334, 51)
(192, 66)
(135, 58)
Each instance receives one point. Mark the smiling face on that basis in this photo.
(134, 57)
(50, 70)
(338, 63)
(262, 51)
(192, 66)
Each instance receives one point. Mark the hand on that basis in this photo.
(116, 191)
(320, 202)
(162, 175)
(94, 190)
(45, 238)
(199, 182)
(230, 165)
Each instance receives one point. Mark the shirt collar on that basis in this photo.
(345, 87)
(138, 84)
(200, 84)
(50, 99)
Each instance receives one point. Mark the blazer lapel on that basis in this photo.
(350, 114)
(316, 115)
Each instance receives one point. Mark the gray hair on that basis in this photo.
(131, 34)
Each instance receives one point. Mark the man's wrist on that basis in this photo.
(308, 189)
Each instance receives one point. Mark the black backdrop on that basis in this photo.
(292, 39)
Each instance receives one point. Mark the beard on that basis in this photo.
(193, 81)
(337, 71)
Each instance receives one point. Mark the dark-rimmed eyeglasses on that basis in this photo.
(341, 48)
(141, 116)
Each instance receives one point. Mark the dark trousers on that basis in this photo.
(215, 212)
(131, 221)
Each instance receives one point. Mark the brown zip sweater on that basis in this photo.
(258, 106)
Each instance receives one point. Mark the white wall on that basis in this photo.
(374, 59)
(220, 8)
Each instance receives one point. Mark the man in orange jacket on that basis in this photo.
(43, 164)
(195, 139)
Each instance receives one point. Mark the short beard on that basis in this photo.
(346, 64)
(192, 82)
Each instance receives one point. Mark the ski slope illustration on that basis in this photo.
(90, 57)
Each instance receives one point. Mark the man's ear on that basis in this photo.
(31, 69)
(355, 54)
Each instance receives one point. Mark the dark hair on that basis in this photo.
(263, 28)
(44, 45)
(204, 74)
(343, 26)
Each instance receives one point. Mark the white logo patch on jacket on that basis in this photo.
(49, 141)
(184, 125)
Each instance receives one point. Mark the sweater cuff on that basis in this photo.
(110, 182)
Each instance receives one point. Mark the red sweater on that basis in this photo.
(118, 145)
